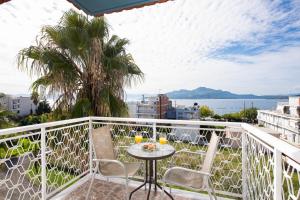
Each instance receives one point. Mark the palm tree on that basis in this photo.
(77, 60)
(35, 97)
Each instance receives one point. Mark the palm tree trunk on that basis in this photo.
(97, 78)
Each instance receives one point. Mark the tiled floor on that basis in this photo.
(103, 190)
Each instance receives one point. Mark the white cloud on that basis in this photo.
(173, 42)
(20, 23)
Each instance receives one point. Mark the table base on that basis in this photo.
(150, 178)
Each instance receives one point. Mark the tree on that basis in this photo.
(43, 107)
(35, 97)
(205, 111)
(250, 114)
(5, 118)
(78, 59)
(233, 117)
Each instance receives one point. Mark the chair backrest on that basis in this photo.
(102, 143)
(211, 153)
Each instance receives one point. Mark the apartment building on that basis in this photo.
(285, 119)
(187, 113)
(155, 107)
(21, 105)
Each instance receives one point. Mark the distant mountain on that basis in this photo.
(208, 93)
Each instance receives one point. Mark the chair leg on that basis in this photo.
(162, 194)
(90, 187)
(126, 188)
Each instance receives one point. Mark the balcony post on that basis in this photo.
(90, 144)
(44, 164)
(244, 165)
(277, 174)
(154, 132)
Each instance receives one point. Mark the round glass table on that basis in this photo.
(150, 157)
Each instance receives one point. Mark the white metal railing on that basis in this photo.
(39, 161)
(271, 166)
(36, 161)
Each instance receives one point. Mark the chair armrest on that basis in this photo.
(186, 170)
(110, 161)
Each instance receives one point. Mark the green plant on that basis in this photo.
(250, 114)
(43, 107)
(82, 108)
(78, 59)
(233, 117)
(21, 146)
(205, 111)
(35, 97)
(6, 118)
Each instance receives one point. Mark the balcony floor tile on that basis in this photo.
(112, 191)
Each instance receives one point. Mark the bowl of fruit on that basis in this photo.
(149, 147)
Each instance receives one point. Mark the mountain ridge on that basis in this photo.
(209, 93)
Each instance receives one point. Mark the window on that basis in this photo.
(16, 106)
(16, 101)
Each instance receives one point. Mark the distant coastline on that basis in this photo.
(239, 98)
(208, 93)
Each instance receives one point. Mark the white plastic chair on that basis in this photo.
(195, 179)
(105, 160)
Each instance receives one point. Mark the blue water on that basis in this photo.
(223, 106)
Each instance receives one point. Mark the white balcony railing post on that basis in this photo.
(154, 132)
(44, 163)
(90, 144)
(277, 174)
(244, 165)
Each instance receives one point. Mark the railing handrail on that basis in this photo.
(291, 151)
(286, 148)
(9, 131)
(271, 112)
(168, 121)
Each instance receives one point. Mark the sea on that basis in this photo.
(223, 106)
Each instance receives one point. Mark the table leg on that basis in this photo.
(144, 184)
(136, 189)
(146, 174)
(150, 178)
(167, 193)
(155, 176)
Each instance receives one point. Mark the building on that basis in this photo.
(153, 107)
(187, 113)
(20, 105)
(132, 108)
(285, 119)
(160, 107)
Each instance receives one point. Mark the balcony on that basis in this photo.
(53, 160)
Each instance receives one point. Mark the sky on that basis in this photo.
(242, 46)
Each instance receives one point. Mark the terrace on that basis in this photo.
(54, 160)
